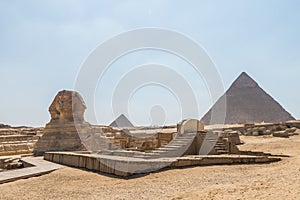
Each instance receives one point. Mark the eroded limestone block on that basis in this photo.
(255, 133)
(281, 134)
(10, 162)
(190, 125)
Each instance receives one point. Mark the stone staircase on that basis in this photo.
(221, 147)
(213, 144)
(176, 148)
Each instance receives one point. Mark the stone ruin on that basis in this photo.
(8, 163)
(67, 116)
(245, 100)
(191, 146)
(68, 131)
(18, 140)
(69, 139)
(284, 129)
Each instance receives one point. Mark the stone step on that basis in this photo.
(222, 151)
(220, 148)
(106, 153)
(211, 141)
(18, 142)
(220, 142)
(159, 151)
(167, 149)
(176, 145)
(220, 145)
(173, 146)
(185, 137)
(143, 156)
(182, 142)
(179, 142)
(182, 139)
(151, 154)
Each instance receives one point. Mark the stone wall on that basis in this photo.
(18, 140)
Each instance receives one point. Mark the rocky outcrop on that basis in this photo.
(67, 120)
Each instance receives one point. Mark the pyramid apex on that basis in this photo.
(244, 74)
(244, 80)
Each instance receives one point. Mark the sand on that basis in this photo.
(280, 180)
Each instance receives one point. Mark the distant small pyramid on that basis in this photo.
(121, 122)
(247, 102)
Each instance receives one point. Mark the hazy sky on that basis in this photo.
(44, 43)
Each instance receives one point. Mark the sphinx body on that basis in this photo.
(67, 120)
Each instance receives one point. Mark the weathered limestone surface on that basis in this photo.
(10, 162)
(18, 140)
(127, 166)
(284, 129)
(204, 147)
(293, 123)
(67, 119)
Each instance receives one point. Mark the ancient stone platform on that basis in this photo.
(127, 166)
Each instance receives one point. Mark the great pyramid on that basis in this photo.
(247, 102)
(121, 122)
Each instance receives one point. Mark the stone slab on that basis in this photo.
(40, 167)
(127, 166)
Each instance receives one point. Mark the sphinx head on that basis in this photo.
(67, 105)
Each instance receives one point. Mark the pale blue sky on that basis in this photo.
(44, 43)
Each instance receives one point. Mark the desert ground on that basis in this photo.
(279, 180)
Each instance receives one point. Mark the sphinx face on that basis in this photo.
(67, 105)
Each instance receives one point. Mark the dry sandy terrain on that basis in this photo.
(280, 180)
